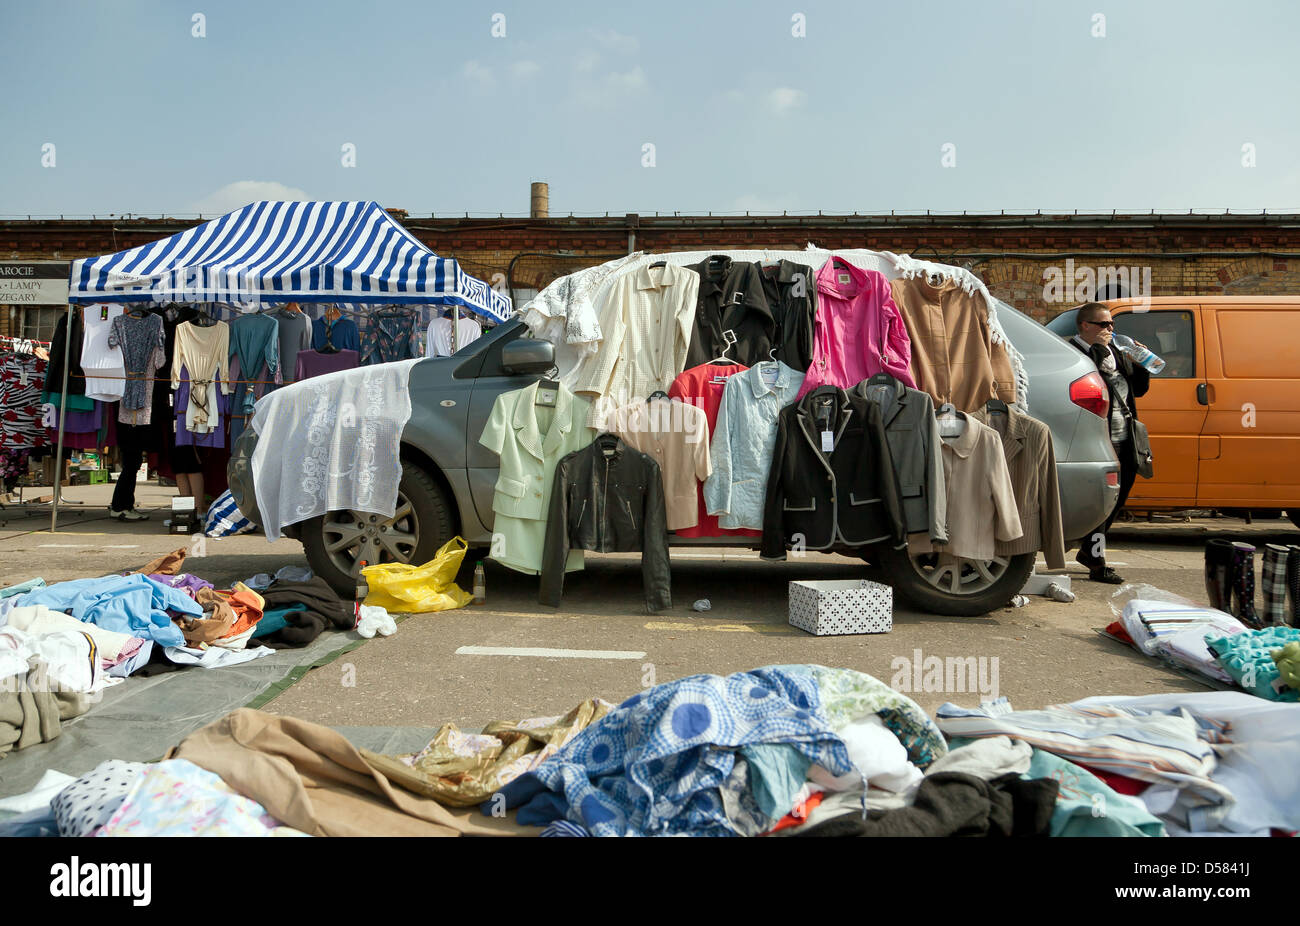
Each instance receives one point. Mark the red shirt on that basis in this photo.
(696, 385)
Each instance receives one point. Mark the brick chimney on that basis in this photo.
(540, 207)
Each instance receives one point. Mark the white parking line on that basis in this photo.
(548, 653)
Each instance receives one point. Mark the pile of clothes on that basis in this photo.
(1264, 661)
(793, 750)
(61, 645)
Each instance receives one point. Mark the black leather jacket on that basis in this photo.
(608, 498)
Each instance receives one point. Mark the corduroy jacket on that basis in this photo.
(1031, 461)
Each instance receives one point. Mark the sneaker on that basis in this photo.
(128, 515)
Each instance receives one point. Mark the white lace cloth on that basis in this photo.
(567, 312)
(331, 443)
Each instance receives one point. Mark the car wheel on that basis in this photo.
(338, 542)
(961, 588)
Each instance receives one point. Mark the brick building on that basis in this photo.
(1039, 263)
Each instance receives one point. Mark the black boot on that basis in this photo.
(1272, 577)
(1293, 584)
(1243, 584)
(1218, 572)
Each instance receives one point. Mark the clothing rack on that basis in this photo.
(216, 311)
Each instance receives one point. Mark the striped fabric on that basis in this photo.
(277, 252)
(224, 519)
(1146, 745)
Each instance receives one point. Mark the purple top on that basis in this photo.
(186, 438)
(314, 363)
(185, 582)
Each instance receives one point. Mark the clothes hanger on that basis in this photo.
(728, 338)
(657, 394)
(548, 390)
(952, 423)
(657, 264)
(996, 406)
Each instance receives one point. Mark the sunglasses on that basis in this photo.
(1102, 324)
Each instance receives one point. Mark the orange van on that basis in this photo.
(1224, 414)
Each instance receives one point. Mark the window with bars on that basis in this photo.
(39, 323)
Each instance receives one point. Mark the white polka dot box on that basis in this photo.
(828, 608)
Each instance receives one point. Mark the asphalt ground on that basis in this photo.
(463, 666)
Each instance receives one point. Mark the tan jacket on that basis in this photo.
(981, 502)
(676, 435)
(311, 778)
(1027, 443)
(953, 354)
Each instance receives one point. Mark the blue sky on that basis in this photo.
(446, 117)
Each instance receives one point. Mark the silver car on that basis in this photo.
(448, 478)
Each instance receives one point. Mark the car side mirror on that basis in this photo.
(528, 356)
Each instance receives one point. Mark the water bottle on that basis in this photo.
(1140, 355)
(480, 584)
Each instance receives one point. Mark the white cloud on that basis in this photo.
(586, 61)
(612, 87)
(616, 42)
(784, 99)
(235, 195)
(477, 73)
(526, 69)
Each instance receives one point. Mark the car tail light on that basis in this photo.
(1089, 393)
(1112, 479)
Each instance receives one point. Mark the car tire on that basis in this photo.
(910, 580)
(422, 524)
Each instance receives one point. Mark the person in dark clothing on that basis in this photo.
(1125, 382)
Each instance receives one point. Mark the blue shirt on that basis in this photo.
(744, 439)
(343, 334)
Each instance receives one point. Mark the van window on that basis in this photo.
(1252, 348)
(1171, 334)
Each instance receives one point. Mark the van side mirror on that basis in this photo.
(527, 356)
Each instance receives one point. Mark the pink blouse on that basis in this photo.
(859, 330)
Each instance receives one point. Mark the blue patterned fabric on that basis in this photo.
(654, 765)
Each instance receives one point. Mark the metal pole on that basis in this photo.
(455, 326)
(63, 414)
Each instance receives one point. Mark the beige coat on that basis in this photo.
(676, 435)
(954, 358)
(981, 502)
(311, 778)
(643, 347)
(1027, 444)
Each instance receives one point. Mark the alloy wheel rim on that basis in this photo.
(962, 577)
(353, 536)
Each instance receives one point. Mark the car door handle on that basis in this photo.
(1203, 393)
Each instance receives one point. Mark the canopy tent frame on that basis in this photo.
(273, 253)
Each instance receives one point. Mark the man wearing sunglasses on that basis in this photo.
(1126, 381)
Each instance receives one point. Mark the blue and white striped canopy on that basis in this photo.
(277, 252)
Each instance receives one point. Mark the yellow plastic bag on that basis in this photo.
(403, 589)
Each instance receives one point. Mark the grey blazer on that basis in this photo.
(915, 446)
